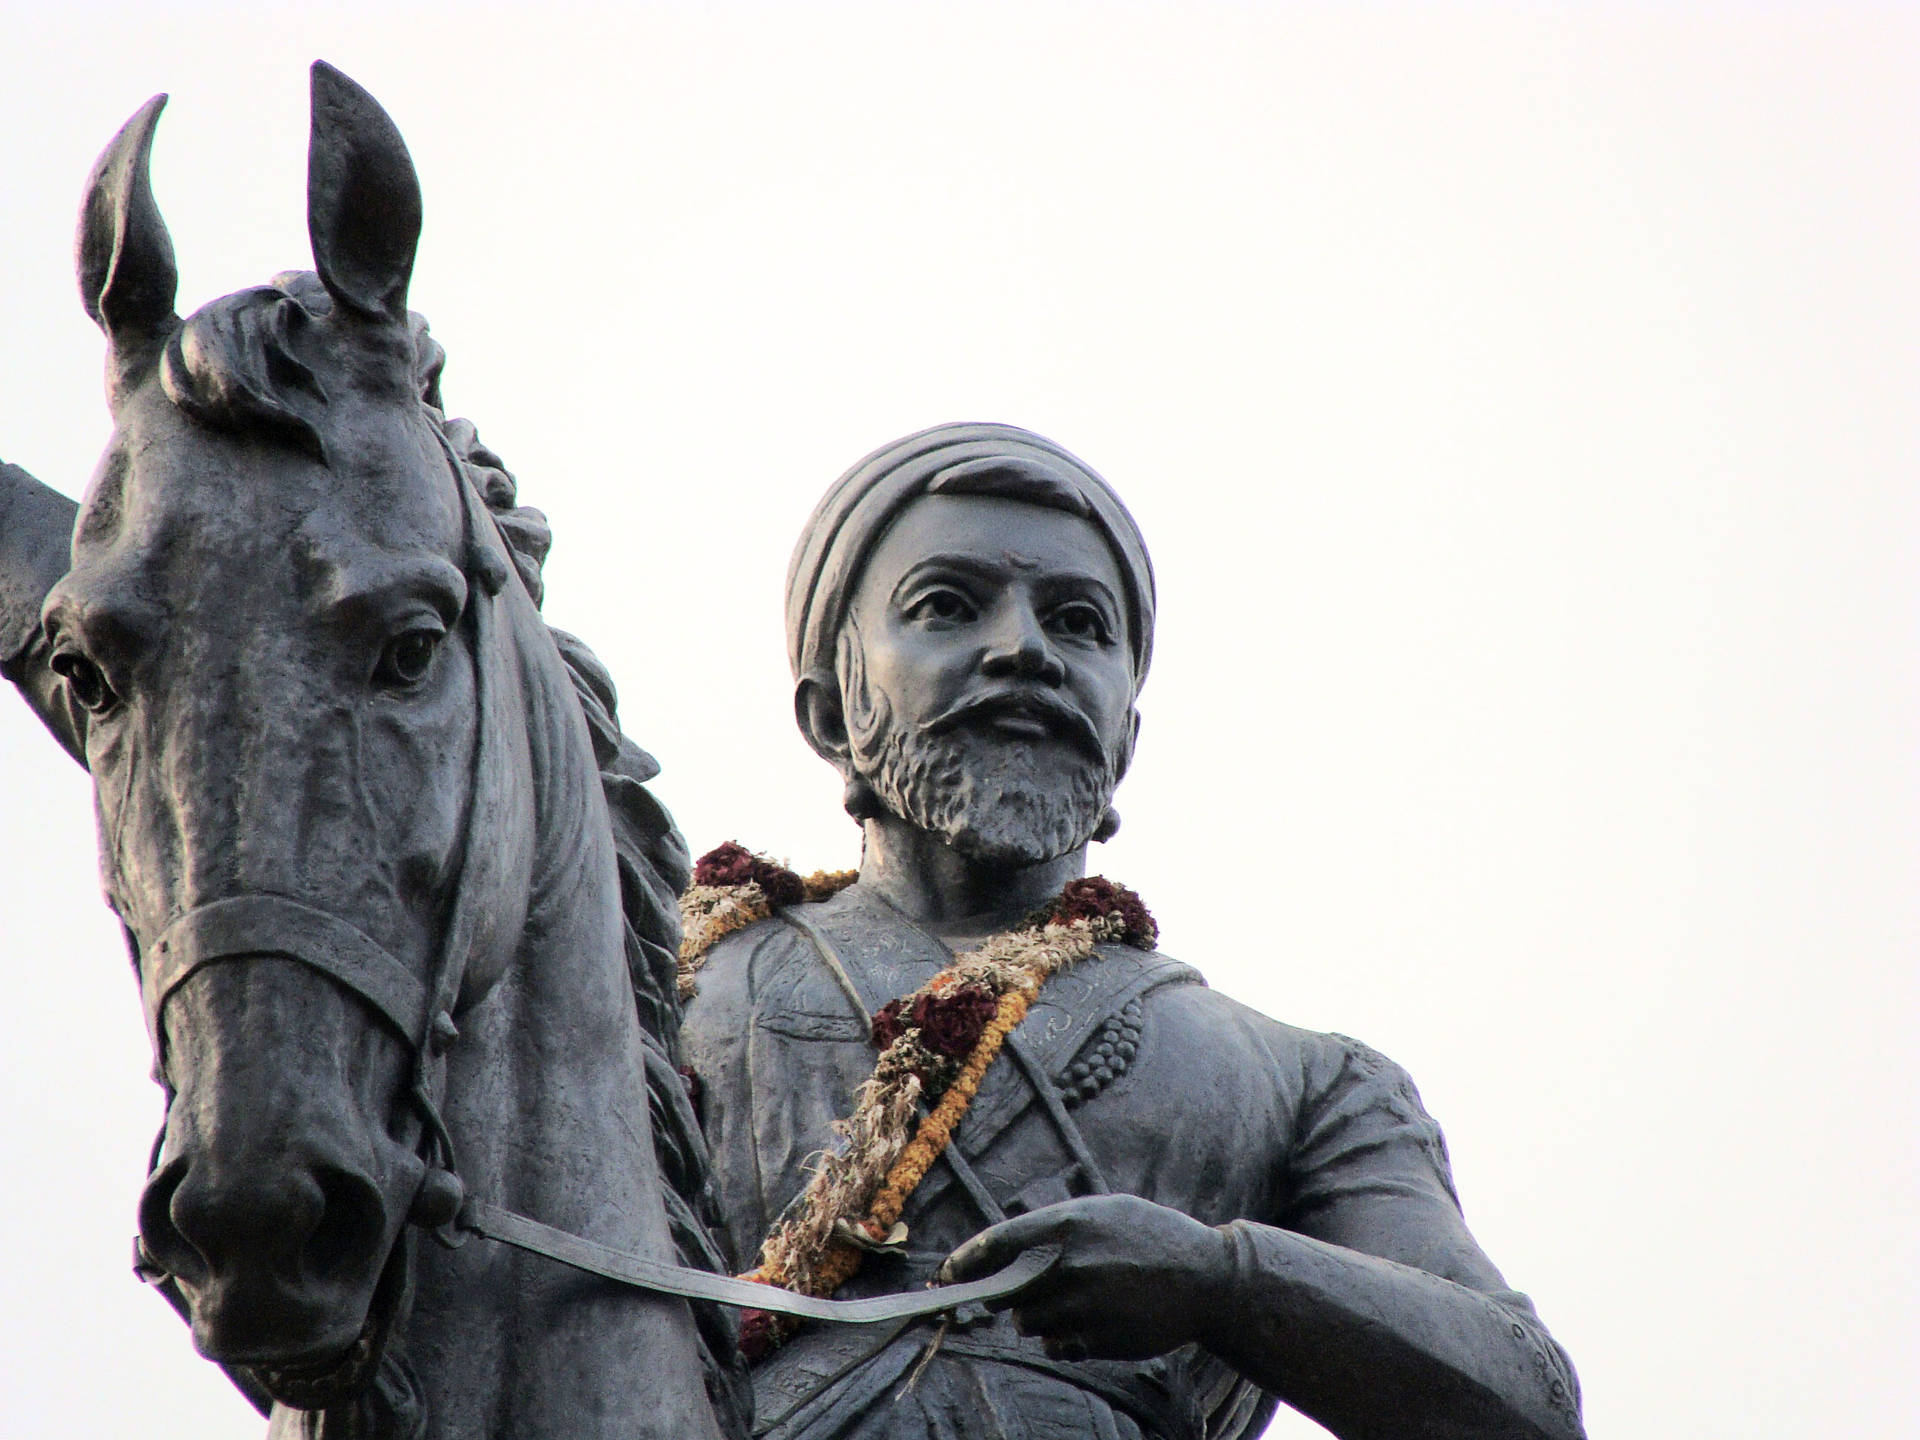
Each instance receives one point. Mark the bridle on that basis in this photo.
(421, 1014)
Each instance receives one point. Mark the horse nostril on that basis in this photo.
(352, 1225)
(162, 1238)
(319, 1219)
(230, 1223)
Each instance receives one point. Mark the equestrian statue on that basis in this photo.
(490, 1113)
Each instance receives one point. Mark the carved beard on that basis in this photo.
(994, 798)
(985, 795)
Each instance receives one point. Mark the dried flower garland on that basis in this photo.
(732, 888)
(935, 1045)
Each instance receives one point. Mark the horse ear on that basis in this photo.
(123, 252)
(363, 199)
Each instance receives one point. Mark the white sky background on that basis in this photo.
(1519, 401)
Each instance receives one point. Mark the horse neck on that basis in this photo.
(547, 1104)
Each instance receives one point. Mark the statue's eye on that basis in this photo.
(407, 658)
(948, 607)
(1078, 622)
(85, 680)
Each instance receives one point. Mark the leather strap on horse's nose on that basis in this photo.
(269, 925)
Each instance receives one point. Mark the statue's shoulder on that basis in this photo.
(1320, 1058)
(735, 964)
(1118, 974)
(734, 910)
(1208, 1029)
(1339, 1099)
(770, 967)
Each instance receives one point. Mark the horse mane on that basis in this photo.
(655, 865)
(234, 365)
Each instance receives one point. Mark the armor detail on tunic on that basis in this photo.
(1104, 1058)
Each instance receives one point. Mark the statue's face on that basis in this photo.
(986, 676)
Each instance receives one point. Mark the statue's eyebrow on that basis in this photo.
(1078, 584)
(974, 566)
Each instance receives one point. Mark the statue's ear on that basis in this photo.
(1125, 761)
(822, 719)
(363, 199)
(123, 252)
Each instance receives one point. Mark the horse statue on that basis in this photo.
(395, 948)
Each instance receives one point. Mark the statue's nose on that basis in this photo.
(307, 1220)
(1019, 647)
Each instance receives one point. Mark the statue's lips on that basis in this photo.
(1014, 723)
(1022, 716)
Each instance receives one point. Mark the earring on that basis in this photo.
(861, 801)
(1109, 825)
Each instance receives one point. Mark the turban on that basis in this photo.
(949, 460)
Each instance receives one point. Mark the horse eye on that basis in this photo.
(84, 678)
(407, 657)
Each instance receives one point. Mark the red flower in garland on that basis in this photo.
(889, 1024)
(734, 864)
(1095, 898)
(951, 1024)
(759, 1333)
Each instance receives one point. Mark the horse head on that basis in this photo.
(277, 622)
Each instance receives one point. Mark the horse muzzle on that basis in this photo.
(280, 1190)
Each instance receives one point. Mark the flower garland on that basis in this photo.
(935, 1045)
(732, 889)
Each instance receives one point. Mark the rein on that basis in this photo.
(664, 1279)
(421, 1013)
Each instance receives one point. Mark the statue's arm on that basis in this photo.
(1371, 1270)
(1368, 1305)
(1376, 1349)
(1372, 1348)
(36, 536)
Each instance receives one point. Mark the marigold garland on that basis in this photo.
(935, 1044)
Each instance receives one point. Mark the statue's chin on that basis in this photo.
(1010, 847)
(997, 800)
(1005, 822)
(997, 809)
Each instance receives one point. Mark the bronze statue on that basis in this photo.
(1243, 1213)
(401, 910)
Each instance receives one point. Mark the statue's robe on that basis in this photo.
(1196, 1102)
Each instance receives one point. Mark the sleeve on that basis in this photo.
(1363, 1136)
(1370, 1173)
(36, 530)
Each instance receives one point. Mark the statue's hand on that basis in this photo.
(1134, 1279)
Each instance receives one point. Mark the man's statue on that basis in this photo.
(1245, 1213)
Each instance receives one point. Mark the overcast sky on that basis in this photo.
(1520, 403)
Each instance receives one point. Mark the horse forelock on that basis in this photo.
(275, 359)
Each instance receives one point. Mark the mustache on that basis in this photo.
(1061, 717)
